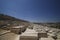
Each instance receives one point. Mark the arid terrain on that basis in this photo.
(12, 28)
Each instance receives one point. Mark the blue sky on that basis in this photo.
(32, 10)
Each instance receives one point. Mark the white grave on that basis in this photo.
(29, 34)
(46, 39)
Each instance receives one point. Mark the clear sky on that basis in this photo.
(32, 10)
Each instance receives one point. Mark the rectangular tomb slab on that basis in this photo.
(42, 34)
(46, 39)
(29, 36)
(18, 29)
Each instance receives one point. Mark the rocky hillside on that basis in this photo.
(8, 21)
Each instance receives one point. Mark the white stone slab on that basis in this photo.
(30, 31)
(29, 35)
(18, 27)
(46, 39)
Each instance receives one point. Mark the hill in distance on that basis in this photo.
(6, 20)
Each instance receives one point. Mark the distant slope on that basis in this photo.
(6, 19)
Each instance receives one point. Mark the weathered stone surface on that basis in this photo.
(46, 39)
(29, 35)
(10, 36)
(18, 29)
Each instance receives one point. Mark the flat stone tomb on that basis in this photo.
(18, 29)
(29, 35)
(42, 34)
(46, 39)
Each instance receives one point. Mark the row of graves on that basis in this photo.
(31, 34)
(50, 32)
(12, 34)
(21, 33)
